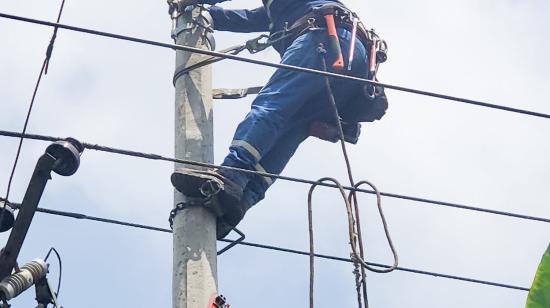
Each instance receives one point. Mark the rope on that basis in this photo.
(274, 65)
(272, 248)
(43, 71)
(352, 208)
(180, 71)
(111, 150)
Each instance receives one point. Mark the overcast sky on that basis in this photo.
(120, 94)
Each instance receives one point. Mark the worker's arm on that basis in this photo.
(245, 21)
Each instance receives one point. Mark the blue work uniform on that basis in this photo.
(283, 111)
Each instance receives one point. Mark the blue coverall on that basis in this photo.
(283, 111)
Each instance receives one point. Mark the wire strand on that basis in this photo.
(274, 65)
(272, 248)
(102, 148)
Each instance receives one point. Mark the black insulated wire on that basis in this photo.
(149, 156)
(43, 71)
(273, 248)
(274, 65)
(353, 188)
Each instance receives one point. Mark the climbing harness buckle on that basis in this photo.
(311, 24)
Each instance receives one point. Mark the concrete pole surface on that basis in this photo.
(194, 283)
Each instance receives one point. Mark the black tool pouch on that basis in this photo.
(369, 106)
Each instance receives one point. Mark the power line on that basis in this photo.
(149, 156)
(43, 71)
(275, 248)
(274, 65)
(282, 66)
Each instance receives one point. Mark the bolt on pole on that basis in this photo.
(194, 283)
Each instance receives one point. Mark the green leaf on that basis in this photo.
(539, 296)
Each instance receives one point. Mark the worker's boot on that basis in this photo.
(203, 184)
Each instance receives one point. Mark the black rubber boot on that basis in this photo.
(203, 184)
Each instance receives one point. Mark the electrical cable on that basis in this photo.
(149, 156)
(60, 268)
(274, 65)
(43, 71)
(273, 248)
(355, 235)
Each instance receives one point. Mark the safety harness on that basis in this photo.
(369, 106)
(373, 103)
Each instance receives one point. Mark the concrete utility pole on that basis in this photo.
(194, 283)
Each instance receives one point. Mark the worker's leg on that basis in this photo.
(286, 92)
(274, 162)
(318, 108)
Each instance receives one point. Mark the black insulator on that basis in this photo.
(67, 155)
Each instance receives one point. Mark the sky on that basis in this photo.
(120, 94)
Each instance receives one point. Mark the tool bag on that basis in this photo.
(371, 103)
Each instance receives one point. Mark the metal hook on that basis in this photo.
(233, 243)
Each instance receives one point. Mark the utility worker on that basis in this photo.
(286, 109)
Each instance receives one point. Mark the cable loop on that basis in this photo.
(351, 199)
(352, 206)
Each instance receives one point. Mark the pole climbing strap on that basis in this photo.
(253, 46)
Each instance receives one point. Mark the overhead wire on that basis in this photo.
(353, 188)
(150, 156)
(43, 71)
(274, 65)
(270, 247)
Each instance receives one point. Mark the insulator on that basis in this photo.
(8, 219)
(29, 274)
